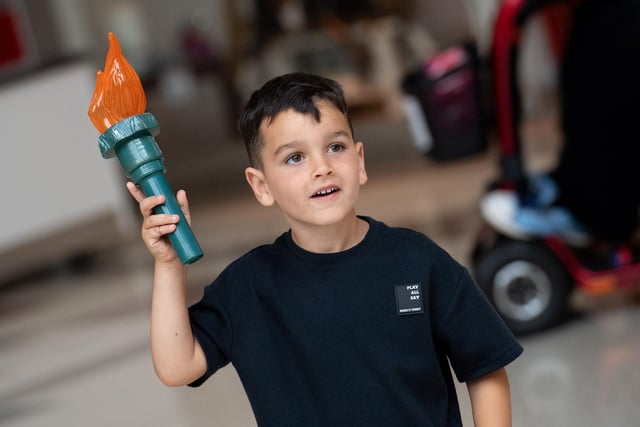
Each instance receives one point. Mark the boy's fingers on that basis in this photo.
(181, 196)
(136, 192)
(146, 203)
(158, 231)
(156, 226)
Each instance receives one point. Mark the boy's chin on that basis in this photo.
(323, 219)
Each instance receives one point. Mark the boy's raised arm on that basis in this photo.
(177, 357)
(491, 400)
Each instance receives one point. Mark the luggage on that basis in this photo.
(443, 104)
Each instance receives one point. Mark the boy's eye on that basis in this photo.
(338, 146)
(294, 158)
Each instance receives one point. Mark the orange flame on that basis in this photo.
(118, 93)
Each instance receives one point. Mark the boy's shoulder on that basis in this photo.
(257, 256)
(410, 239)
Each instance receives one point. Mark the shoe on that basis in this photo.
(542, 191)
(503, 211)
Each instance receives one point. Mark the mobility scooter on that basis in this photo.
(530, 280)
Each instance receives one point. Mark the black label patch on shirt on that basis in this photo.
(409, 299)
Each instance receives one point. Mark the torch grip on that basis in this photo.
(132, 141)
(182, 239)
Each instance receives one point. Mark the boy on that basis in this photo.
(342, 321)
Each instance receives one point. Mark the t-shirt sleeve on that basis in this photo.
(476, 340)
(211, 326)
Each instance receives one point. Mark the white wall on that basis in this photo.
(51, 170)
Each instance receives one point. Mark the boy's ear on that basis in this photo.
(257, 182)
(363, 171)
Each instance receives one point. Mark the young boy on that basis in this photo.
(342, 321)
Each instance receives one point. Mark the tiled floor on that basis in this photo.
(74, 345)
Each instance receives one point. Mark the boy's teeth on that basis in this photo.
(325, 192)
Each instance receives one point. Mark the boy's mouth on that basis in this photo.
(325, 192)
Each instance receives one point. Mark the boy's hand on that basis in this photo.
(156, 226)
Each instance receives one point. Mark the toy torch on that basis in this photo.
(117, 110)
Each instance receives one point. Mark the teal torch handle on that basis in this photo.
(132, 141)
(182, 239)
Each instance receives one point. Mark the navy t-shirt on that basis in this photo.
(362, 337)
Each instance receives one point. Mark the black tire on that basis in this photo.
(526, 283)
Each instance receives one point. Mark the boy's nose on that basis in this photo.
(321, 167)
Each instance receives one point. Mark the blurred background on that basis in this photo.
(75, 279)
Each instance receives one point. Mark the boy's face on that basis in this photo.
(311, 170)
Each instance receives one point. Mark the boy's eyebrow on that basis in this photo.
(285, 147)
(339, 133)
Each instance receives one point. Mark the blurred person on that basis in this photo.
(267, 25)
(598, 176)
(206, 60)
(323, 12)
(343, 320)
(202, 57)
(592, 196)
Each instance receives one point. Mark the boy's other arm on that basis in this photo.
(491, 400)
(177, 357)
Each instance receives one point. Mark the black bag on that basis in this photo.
(446, 88)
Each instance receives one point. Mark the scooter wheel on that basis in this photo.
(526, 283)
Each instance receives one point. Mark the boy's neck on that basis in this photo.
(331, 238)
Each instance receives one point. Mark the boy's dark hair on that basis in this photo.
(297, 91)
